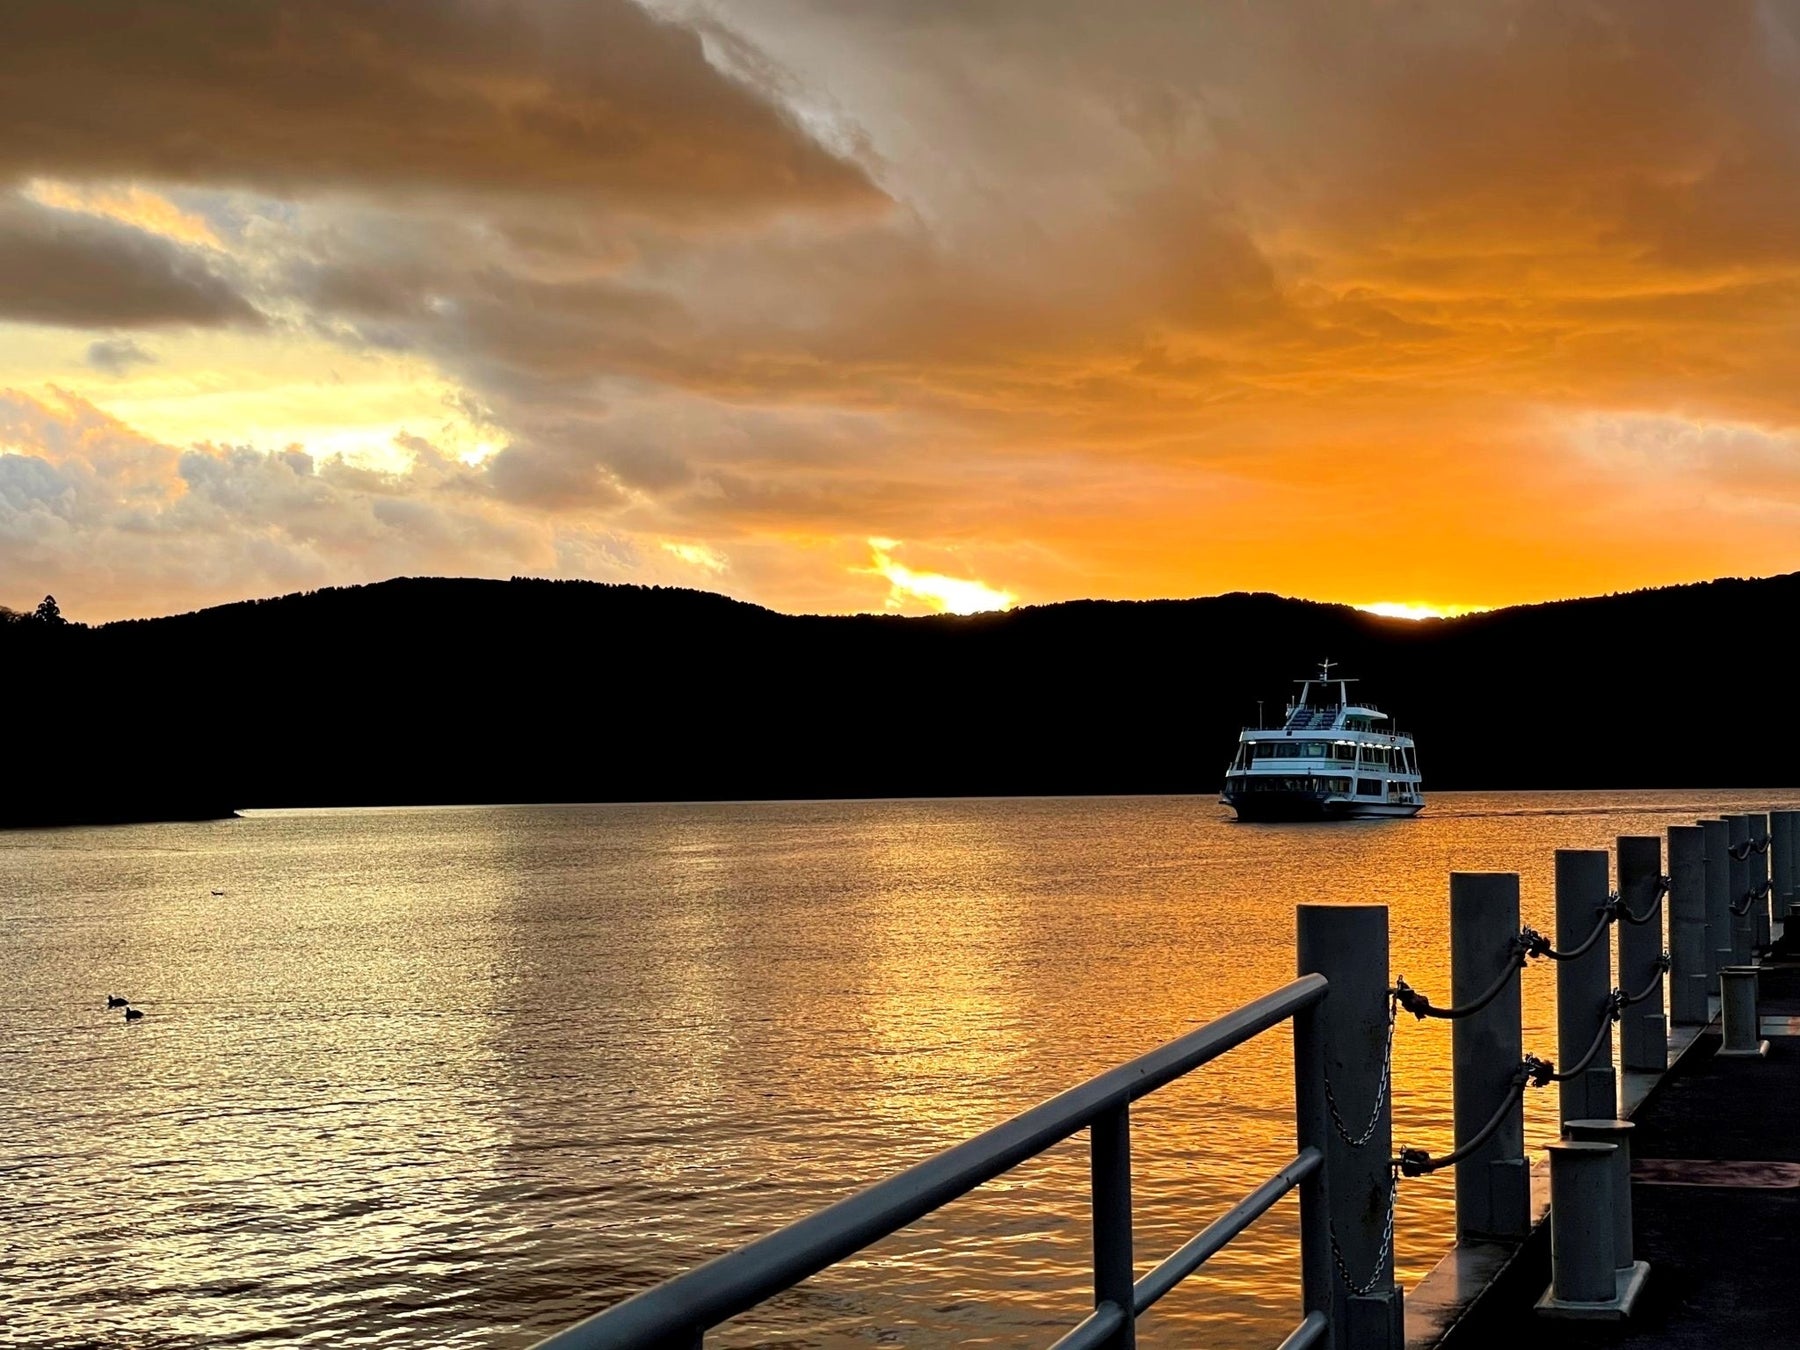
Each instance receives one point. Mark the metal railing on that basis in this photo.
(679, 1312)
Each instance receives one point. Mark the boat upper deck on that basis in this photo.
(1343, 720)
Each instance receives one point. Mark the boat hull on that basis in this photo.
(1292, 806)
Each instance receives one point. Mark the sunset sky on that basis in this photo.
(898, 304)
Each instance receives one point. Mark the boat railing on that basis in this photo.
(679, 1312)
(1383, 735)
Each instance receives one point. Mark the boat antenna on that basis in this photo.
(1325, 668)
(1259, 714)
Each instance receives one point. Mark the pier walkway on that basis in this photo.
(1716, 1203)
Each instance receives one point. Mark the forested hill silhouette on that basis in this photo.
(440, 690)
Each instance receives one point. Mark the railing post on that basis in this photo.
(1687, 926)
(1493, 1184)
(1643, 1031)
(1583, 985)
(1781, 860)
(1718, 898)
(1758, 826)
(1312, 1129)
(1743, 927)
(1348, 944)
(1109, 1141)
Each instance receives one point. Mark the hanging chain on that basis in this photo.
(1381, 1088)
(1381, 1255)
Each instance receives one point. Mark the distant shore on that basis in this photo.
(72, 817)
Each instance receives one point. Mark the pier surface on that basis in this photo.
(1716, 1197)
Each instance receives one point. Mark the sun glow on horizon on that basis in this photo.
(697, 555)
(1417, 610)
(943, 594)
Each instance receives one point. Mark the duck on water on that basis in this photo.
(1329, 760)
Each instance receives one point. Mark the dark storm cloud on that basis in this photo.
(116, 356)
(552, 479)
(593, 98)
(73, 270)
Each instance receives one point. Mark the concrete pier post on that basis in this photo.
(1758, 825)
(1718, 898)
(1617, 1133)
(1781, 860)
(1743, 927)
(1643, 1030)
(1493, 1184)
(1790, 870)
(1738, 1014)
(1348, 944)
(1686, 903)
(1582, 1269)
(1583, 985)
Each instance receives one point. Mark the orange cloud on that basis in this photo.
(128, 204)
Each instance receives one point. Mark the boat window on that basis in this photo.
(1344, 750)
(1368, 787)
(1315, 749)
(1271, 783)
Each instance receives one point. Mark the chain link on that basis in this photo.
(1381, 1088)
(1381, 1255)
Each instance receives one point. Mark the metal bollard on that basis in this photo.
(1583, 1275)
(1743, 927)
(1686, 902)
(1312, 1121)
(1718, 898)
(1738, 1015)
(1758, 825)
(1348, 944)
(1493, 1184)
(1643, 1030)
(1618, 1134)
(1583, 985)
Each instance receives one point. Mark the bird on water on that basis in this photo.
(114, 1001)
(133, 1014)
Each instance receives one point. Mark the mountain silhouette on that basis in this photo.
(434, 690)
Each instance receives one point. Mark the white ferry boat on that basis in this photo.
(1331, 759)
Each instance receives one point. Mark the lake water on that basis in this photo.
(461, 1076)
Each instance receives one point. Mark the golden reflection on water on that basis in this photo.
(462, 1076)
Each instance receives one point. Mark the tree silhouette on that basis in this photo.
(48, 611)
